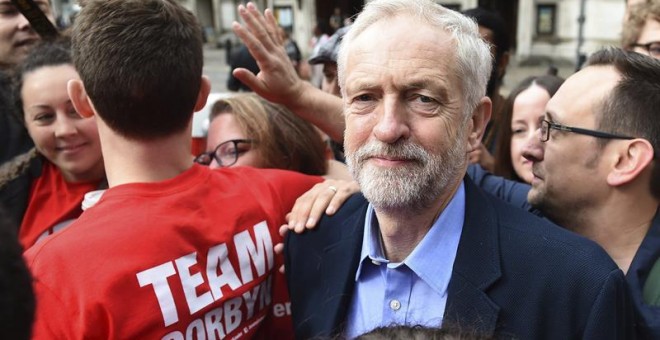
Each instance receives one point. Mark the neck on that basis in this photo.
(131, 161)
(402, 229)
(618, 226)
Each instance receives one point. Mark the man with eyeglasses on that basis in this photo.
(595, 167)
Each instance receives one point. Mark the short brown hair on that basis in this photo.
(141, 64)
(631, 108)
(285, 141)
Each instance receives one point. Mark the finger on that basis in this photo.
(279, 248)
(272, 26)
(319, 206)
(258, 48)
(250, 79)
(300, 211)
(341, 196)
(257, 25)
(284, 229)
(281, 269)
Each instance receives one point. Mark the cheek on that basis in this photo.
(42, 136)
(358, 130)
(517, 145)
(251, 159)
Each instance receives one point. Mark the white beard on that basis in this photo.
(414, 186)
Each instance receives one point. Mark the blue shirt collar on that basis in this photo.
(428, 260)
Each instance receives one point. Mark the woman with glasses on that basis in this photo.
(247, 130)
(524, 110)
(641, 29)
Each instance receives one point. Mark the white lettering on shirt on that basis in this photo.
(202, 284)
(157, 277)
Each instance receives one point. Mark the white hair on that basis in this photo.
(473, 58)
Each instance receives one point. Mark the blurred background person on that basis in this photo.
(336, 19)
(293, 51)
(326, 56)
(16, 34)
(320, 34)
(16, 39)
(45, 187)
(240, 58)
(523, 111)
(247, 130)
(494, 30)
(641, 29)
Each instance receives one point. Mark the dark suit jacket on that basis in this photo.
(515, 275)
(648, 319)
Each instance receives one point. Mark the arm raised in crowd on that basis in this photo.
(278, 81)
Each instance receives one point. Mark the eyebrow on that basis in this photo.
(548, 116)
(428, 83)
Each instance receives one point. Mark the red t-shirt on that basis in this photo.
(190, 257)
(54, 203)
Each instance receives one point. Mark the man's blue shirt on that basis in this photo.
(399, 293)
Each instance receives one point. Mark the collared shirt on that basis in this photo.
(413, 292)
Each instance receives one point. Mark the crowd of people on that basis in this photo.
(399, 195)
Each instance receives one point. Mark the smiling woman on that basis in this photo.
(45, 191)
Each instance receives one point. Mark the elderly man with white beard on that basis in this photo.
(424, 245)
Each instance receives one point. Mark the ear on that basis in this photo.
(632, 159)
(79, 98)
(204, 90)
(478, 121)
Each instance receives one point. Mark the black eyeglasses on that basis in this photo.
(546, 126)
(652, 48)
(226, 153)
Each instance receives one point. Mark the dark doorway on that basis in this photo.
(349, 8)
(508, 9)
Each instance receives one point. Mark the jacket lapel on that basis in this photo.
(477, 266)
(339, 264)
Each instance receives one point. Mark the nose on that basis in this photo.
(65, 127)
(534, 149)
(392, 123)
(23, 23)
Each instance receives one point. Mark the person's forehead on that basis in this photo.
(650, 31)
(393, 36)
(582, 93)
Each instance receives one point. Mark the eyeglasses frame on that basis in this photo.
(646, 47)
(581, 131)
(213, 154)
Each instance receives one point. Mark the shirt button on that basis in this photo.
(395, 304)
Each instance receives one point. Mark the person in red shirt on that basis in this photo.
(46, 188)
(173, 249)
